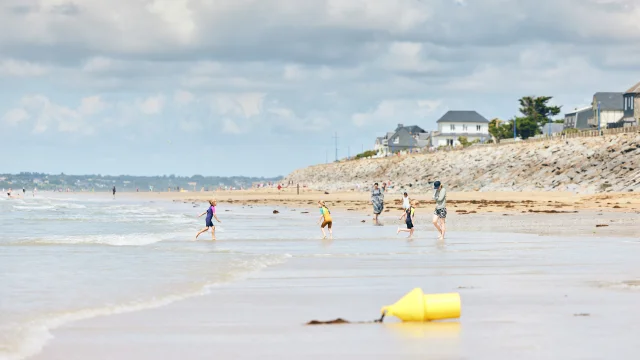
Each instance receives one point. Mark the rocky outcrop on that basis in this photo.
(582, 165)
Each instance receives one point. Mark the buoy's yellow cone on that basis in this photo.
(416, 306)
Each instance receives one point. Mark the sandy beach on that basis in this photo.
(469, 202)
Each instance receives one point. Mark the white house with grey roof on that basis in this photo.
(456, 123)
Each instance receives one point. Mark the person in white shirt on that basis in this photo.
(405, 201)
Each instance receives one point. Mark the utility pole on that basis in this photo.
(514, 129)
(326, 153)
(336, 137)
(598, 118)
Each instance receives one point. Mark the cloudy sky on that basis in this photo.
(259, 87)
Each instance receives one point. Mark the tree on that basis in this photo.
(526, 127)
(536, 108)
(500, 130)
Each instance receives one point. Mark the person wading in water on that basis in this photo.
(440, 214)
(377, 200)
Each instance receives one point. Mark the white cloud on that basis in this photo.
(15, 116)
(91, 105)
(47, 115)
(11, 67)
(396, 112)
(182, 97)
(152, 105)
(230, 127)
(98, 64)
(244, 105)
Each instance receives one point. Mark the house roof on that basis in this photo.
(413, 129)
(578, 110)
(462, 116)
(635, 89)
(609, 100)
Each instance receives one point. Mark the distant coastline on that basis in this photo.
(127, 183)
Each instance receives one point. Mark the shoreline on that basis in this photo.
(460, 202)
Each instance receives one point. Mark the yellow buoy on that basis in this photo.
(416, 306)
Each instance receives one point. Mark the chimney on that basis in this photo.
(400, 126)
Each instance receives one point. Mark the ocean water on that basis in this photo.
(65, 258)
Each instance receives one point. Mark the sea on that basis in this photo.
(64, 258)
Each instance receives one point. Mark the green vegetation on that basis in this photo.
(366, 154)
(535, 112)
(465, 142)
(124, 182)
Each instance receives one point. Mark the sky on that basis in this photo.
(261, 87)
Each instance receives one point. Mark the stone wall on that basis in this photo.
(583, 165)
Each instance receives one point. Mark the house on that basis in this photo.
(402, 139)
(631, 106)
(579, 118)
(611, 109)
(454, 124)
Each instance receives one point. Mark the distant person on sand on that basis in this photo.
(377, 200)
(408, 215)
(114, 191)
(325, 220)
(405, 201)
(24, 191)
(211, 213)
(9, 192)
(440, 215)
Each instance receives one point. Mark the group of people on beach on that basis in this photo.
(11, 195)
(409, 206)
(377, 200)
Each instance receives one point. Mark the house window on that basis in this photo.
(478, 127)
(396, 140)
(464, 128)
(453, 128)
(631, 103)
(450, 141)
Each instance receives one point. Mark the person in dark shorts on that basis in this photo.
(408, 215)
(114, 192)
(440, 214)
(211, 213)
(325, 220)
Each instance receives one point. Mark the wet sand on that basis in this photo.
(571, 294)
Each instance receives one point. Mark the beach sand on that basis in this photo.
(480, 202)
(570, 294)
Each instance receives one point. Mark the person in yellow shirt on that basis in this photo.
(408, 215)
(325, 220)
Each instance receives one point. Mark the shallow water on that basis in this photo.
(73, 258)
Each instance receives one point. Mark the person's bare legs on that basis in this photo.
(331, 231)
(375, 219)
(201, 231)
(213, 233)
(443, 226)
(435, 223)
(324, 235)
